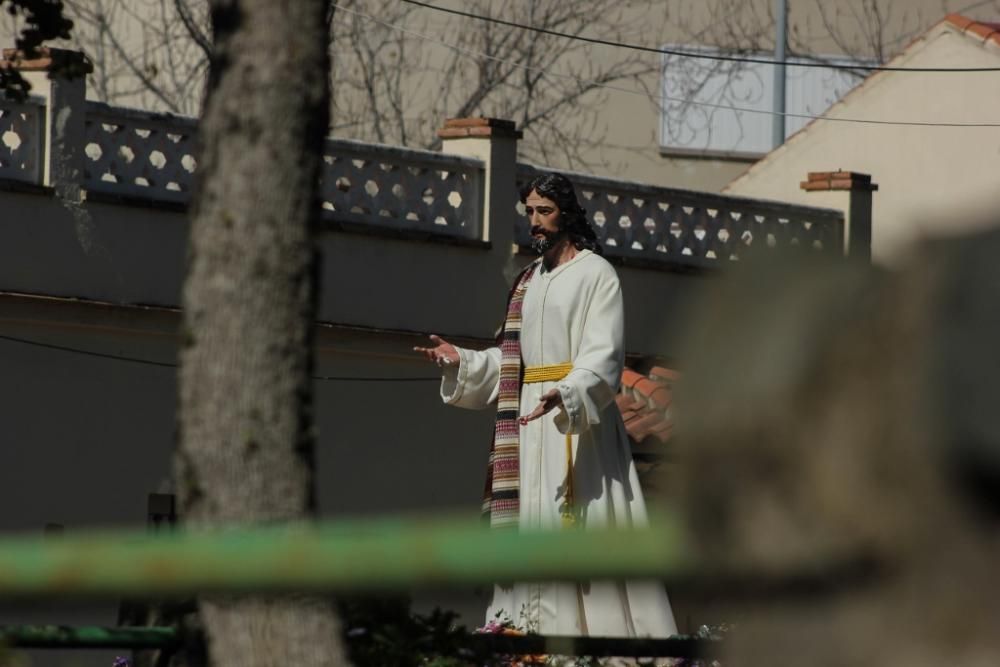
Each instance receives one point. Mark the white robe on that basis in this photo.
(572, 313)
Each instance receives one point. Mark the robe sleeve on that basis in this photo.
(592, 384)
(475, 382)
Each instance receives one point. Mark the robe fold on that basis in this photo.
(571, 314)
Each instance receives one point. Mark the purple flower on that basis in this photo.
(121, 661)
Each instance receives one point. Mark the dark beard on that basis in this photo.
(546, 242)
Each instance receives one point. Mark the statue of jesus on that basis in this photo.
(560, 455)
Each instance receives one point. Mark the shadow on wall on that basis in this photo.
(838, 439)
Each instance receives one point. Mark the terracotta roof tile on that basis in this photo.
(646, 387)
(627, 403)
(634, 416)
(985, 31)
(661, 397)
(959, 21)
(630, 377)
(627, 406)
(665, 374)
(644, 404)
(640, 432)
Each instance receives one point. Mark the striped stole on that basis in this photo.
(501, 497)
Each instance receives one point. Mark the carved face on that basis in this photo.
(543, 216)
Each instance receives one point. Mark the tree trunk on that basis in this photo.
(245, 454)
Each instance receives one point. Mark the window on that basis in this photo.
(690, 126)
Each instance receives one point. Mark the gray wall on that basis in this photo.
(87, 438)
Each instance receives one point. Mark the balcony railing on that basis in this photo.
(139, 153)
(684, 227)
(386, 186)
(22, 147)
(136, 153)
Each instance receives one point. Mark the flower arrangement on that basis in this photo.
(711, 632)
(501, 624)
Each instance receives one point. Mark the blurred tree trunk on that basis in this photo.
(245, 454)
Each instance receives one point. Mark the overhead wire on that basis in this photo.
(658, 99)
(689, 54)
(169, 364)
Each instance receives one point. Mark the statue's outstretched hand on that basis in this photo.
(443, 353)
(550, 401)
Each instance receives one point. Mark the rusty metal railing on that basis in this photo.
(359, 556)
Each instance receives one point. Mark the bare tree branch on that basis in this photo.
(195, 31)
(398, 70)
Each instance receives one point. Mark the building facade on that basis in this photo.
(934, 177)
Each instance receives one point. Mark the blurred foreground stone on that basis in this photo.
(845, 423)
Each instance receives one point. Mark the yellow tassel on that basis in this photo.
(568, 515)
(554, 373)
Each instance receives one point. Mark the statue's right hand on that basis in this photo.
(443, 353)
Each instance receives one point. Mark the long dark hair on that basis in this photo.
(572, 216)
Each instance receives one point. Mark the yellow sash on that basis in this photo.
(554, 373)
(551, 373)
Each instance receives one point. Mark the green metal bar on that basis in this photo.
(344, 556)
(60, 636)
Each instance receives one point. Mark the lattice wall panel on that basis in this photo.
(402, 189)
(152, 155)
(21, 142)
(674, 226)
(139, 154)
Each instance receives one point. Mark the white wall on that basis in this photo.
(932, 180)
